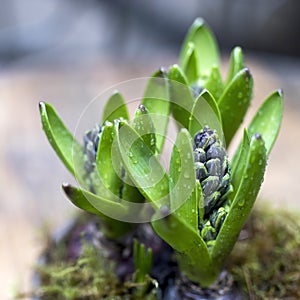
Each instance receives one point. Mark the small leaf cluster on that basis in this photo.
(197, 97)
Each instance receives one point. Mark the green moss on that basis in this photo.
(86, 278)
(266, 262)
(90, 277)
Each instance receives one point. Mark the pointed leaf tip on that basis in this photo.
(66, 187)
(280, 92)
(268, 118)
(257, 136)
(236, 63)
(161, 72)
(115, 108)
(60, 138)
(157, 102)
(234, 102)
(181, 96)
(142, 108)
(207, 51)
(198, 22)
(144, 126)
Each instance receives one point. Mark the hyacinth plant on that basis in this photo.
(201, 204)
(103, 180)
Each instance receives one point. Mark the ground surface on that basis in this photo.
(31, 175)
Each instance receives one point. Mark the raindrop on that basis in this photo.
(186, 175)
(242, 202)
(173, 225)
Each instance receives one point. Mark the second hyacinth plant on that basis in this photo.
(198, 204)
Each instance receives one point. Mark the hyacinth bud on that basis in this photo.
(208, 232)
(218, 217)
(212, 169)
(90, 147)
(212, 226)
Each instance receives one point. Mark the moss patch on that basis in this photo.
(266, 261)
(86, 278)
(90, 277)
(80, 263)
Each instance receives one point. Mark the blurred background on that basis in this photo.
(66, 52)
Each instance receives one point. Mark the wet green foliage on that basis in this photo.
(119, 165)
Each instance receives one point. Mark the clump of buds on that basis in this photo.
(212, 168)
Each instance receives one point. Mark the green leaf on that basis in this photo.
(234, 103)
(192, 253)
(78, 199)
(115, 108)
(100, 206)
(244, 199)
(268, 118)
(157, 101)
(183, 197)
(142, 261)
(200, 200)
(93, 203)
(110, 180)
(144, 126)
(206, 48)
(236, 63)
(214, 83)
(143, 167)
(108, 172)
(239, 163)
(266, 121)
(60, 138)
(181, 96)
(205, 111)
(190, 64)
